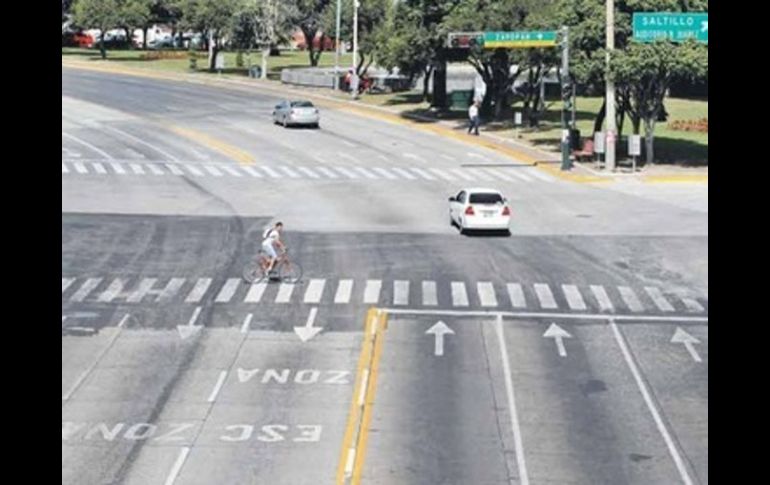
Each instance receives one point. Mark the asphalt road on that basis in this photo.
(175, 371)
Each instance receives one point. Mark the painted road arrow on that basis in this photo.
(682, 337)
(439, 330)
(190, 329)
(559, 334)
(308, 331)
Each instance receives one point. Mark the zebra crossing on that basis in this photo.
(397, 293)
(222, 170)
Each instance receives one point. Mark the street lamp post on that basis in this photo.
(354, 79)
(337, 50)
(610, 90)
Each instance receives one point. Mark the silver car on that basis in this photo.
(296, 113)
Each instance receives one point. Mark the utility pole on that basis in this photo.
(609, 118)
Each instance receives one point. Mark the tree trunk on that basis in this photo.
(599, 121)
(426, 82)
(265, 54)
(214, 52)
(649, 129)
(144, 37)
(102, 50)
(129, 38)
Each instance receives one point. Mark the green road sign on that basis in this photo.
(494, 40)
(676, 27)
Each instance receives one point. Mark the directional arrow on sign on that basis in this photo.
(190, 329)
(439, 330)
(308, 331)
(704, 26)
(682, 337)
(559, 334)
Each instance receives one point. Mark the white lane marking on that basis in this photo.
(124, 320)
(630, 299)
(574, 298)
(308, 172)
(692, 305)
(385, 173)
(429, 293)
(560, 315)
(173, 169)
(422, 173)
(441, 173)
(99, 167)
(173, 286)
(118, 168)
(347, 156)
(315, 289)
(145, 287)
(200, 288)
(217, 387)
(64, 168)
(288, 171)
(499, 174)
(544, 296)
(194, 170)
(177, 465)
(403, 173)
(212, 170)
(516, 294)
(246, 323)
(284, 293)
(320, 159)
(518, 172)
(142, 142)
(510, 394)
(413, 156)
(327, 171)
(112, 291)
(449, 157)
(362, 389)
(255, 292)
(137, 169)
(372, 291)
(539, 175)
(486, 293)
(155, 170)
(344, 171)
(344, 290)
(252, 172)
(605, 304)
(461, 173)
(65, 283)
(88, 145)
(232, 171)
(80, 168)
(480, 174)
(401, 292)
(365, 172)
(672, 449)
(459, 294)
(270, 171)
(87, 287)
(350, 461)
(657, 297)
(228, 290)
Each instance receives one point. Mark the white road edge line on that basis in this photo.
(246, 323)
(651, 406)
(515, 428)
(177, 465)
(220, 381)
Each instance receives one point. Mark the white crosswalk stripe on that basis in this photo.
(213, 170)
(441, 173)
(251, 171)
(692, 305)
(194, 170)
(256, 290)
(461, 173)
(365, 172)
(174, 169)
(658, 298)
(429, 293)
(199, 290)
(344, 291)
(385, 173)
(136, 168)
(288, 171)
(347, 173)
(315, 289)
(544, 296)
(574, 298)
(66, 283)
(99, 168)
(487, 295)
(112, 291)
(269, 171)
(308, 172)
(64, 168)
(231, 170)
(228, 290)
(88, 286)
(630, 299)
(80, 168)
(519, 173)
(499, 174)
(459, 294)
(155, 170)
(171, 289)
(372, 291)
(516, 294)
(422, 173)
(403, 173)
(328, 172)
(145, 287)
(480, 174)
(539, 175)
(284, 293)
(118, 168)
(605, 304)
(401, 292)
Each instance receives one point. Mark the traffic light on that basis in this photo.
(465, 40)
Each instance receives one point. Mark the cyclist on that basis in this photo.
(271, 240)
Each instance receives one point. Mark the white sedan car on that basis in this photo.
(296, 113)
(485, 209)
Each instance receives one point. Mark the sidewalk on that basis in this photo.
(520, 152)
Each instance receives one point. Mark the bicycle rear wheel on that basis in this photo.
(290, 272)
(252, 272)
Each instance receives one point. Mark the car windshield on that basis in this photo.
(301, 104)
(486, 198)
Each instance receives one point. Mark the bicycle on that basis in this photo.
(283, 270)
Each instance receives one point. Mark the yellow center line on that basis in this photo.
(231, 151)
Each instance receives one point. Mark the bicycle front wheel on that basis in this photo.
(290, 272)
(252, 272)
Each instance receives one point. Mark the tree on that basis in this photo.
(645, 72)
(132, 14)
(309, 19)
(371, 14)
(212, 17)
(263, 23)
(96, 14)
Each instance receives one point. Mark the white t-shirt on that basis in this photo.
(473, 111)
(270, 236)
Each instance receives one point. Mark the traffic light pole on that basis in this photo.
(566, 85)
